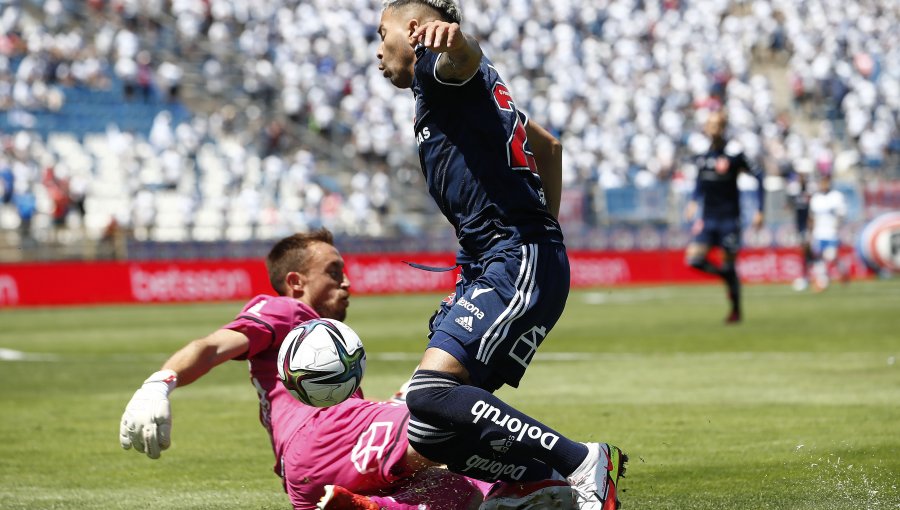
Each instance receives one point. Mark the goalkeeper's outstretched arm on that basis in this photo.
(147, 421)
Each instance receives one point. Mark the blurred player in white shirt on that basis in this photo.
(827, 210)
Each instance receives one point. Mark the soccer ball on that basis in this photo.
(879, 243)
(321, 362)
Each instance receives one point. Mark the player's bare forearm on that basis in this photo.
(200, 356)
(547, 151)
(462, 53)
(690, 211)
(462, 63)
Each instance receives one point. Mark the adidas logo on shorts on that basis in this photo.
(465, 322)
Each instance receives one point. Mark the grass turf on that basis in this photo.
(796, 408)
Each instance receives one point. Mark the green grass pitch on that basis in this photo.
(798, 408)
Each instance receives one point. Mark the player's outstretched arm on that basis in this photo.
(147, 421)
(462, 54)
(200, 356)
(548, 156)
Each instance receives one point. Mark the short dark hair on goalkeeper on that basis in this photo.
(291, 254)
(448, 9)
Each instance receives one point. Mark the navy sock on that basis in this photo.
(444, 412)
(465, 454)
(734, 287)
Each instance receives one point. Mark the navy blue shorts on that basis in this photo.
(502, 310)
(802, 222)
(721, 232)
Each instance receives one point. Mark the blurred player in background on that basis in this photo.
(357, 444)
(717, 194)
(827, 210)
(799, 192)
(496, 176)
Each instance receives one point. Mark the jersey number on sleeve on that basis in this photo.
(519, 157)
(255, 309)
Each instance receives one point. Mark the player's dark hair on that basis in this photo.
(447, 9)
(291, 254)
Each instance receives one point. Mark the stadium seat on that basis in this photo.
(169, 233)
(239, 233)
(9, 218)
(206, 233)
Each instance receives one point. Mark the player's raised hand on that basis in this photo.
(438, 36)
(147, 421)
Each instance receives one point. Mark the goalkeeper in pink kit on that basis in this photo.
(359, 445)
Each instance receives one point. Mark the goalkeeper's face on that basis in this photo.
(326, 288)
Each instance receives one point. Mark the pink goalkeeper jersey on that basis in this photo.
(311, 444)
(266, 320)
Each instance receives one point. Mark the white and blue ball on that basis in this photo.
(879, 243)
(321, 362)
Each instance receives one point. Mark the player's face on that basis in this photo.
(396, 56)
(715, 126)
(327, 288)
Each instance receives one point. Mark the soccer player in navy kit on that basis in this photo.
(720, 224)
(799, 194)
(486, 166)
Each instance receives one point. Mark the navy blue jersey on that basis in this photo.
(477, 162)
(799, 196)
(717, 188)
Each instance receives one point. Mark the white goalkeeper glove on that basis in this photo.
(147, 421)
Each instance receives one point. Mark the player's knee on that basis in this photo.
(434, 452)
(432, 405)
(430, 441)
(695, 256)
(697, 262)
(427, 392)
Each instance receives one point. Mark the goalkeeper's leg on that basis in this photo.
(431, 489)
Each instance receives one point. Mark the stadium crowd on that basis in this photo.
(307, 133)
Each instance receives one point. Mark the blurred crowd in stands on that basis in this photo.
(291, 125)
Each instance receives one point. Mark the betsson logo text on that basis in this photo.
(174, 284)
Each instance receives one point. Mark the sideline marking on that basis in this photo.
(11, 355)
(14, 356)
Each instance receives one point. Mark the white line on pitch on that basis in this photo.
(11, 355)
